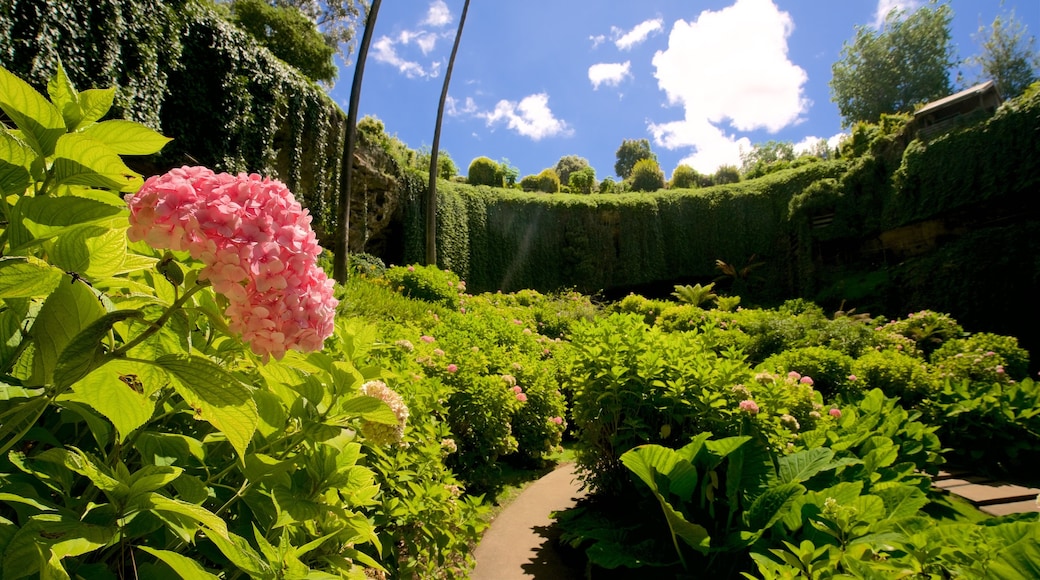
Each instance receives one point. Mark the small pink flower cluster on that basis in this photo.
(748, 406)
(257, 247)
(519, 391)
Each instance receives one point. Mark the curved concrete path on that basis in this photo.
(520, 543)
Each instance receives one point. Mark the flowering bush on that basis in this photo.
(257, 247)
(427, 283)
(828, 368)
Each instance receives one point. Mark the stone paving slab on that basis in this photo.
(982, 494)
(1017, 507)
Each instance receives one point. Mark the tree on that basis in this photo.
(431, 198)
(686, 177)
(547, 182)
(761, 155)
(336, 19)
(582, 180)
(484, 171)
(568, 164)
(630, 152)
(341, 244)
(509, 172)
(647, 176)
(289, 35)
(1008, 57)
(905, 63)
(726, 174)
(446, 168)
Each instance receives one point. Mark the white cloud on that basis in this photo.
(451, 105)
(598, 40)
(728, 65)
(384, 51)
(531, 117)
(438, 14)
(886, 6)
(609, 73)
(626, 40)
(809, 143)
(426, 41)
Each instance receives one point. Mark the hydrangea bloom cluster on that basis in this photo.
(379, 433)
(257, 247)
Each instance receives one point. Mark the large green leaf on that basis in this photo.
(94, 103)
(163, 504)
(367, 408)
(901, 501)
(127, 137)
(801, 466)
(65, 97)
(217, 396)
(113, 396)
(27, 277)
(84, 352)
(70, 308)
(184, 566)
(16, 157)
(652, 462)
(768, 508)
(81, 160)
(40, 121)
(1019, 556)
(45, 217)
(91, 251)
(238, 551)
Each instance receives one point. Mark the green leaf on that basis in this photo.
(27, 277)
(85, 465)
(773, 504)
(65, 97)
(169, 448)
(1019, 556)
(81, 160)
(45, 217)
(184, 566)
(84, 352)
(152, 478)
(70, 308)
(91, 251)
(367, 408)
(803, 465)
(163, 504)
(238, 551)
(94, 103)
(649, 462)
(107, 391)
(16, 157)
(901, 501)
(40, 122)
(218, 397)
(127, 137)
(17, 420)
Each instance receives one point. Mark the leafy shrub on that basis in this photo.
(647, 308)
(647, 176)
(427, 283)
(929, 330)
(726, 174)
(994, 349)
(896, 374)
(547, 181)
(686, 177)
(366, 265)
(582, 180)
(829, 369)
(484, 171)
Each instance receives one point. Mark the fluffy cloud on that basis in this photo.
(426, 41)
(728, 65)
(886, 6)
(438, 14)
(626, 40)
(452, 108)
(384, 50)
(609, 73)
(598, 39)
(531, 117)
(808, 144)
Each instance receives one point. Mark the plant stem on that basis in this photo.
(159, 322)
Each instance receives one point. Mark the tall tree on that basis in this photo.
(630, 152)
(431, 198)
(569, 164)
(336, 19)
(890, 70)
(339, 262)
(289, 34)
(764, 154)
(1008, 58)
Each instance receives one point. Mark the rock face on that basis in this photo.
(374, 198)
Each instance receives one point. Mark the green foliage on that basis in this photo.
(484, 171)
(546, 182)
(569, 164)
(995, 350)
(927, 329)
(629, 153)
(694, 295)
(897, 374)
(1007, 56)
(646, 175)
(686, 177)
(582, 180)
(726, 174)
(510, 173)
(826, 369)
(446, 168)
(289, 34)
(427, 283)
(904, 63)
(757, 161)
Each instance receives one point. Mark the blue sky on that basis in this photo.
(535, 80)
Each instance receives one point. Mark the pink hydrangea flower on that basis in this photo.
(748, 406)
(521, 397)
(518, 389)
(835, 412)
(451, 368)
(852, 377)
(806, 380)
(257, 248)
(794, 376)
(426, 338)
(558, 420)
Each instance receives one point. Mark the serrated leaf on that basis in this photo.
(170, 448)
(16, 158)
(803, 465)
(27, 277)
(14, 422)
(773, 504)
(152, 478)
(901, 501)
(45, 217)
(94, 103)
(65, 97)
(238, 551)
(70, 308)
(218, 397)
(364, 407)
(161, 503)
(40, 121)
(84, 351)
(127, 137)
(81, 160)
(90, 251)
(108, 393)
(184, 566)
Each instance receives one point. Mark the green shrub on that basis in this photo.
(987, 350)
(686, 177)
(645, 307)
(582, 180)
(484, 171)
(929, 330)
(828, 369)
(366, 265)
(896, 374)
(726, 174)
(647, 176)
(427, 283)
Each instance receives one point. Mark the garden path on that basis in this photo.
(996, 498)
(521, 541)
